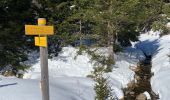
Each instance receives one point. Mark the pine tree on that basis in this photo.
(13, 43)
(80, 21)
(102, 88)
(56, 12)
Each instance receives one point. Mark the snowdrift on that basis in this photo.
(68, 79)
(158, 47)
(161, 69)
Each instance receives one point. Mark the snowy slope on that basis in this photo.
(161, 69)
(66, 66)
(60, 89)
(122, 75)
(158, 47)
(68, 79)
(148, 43)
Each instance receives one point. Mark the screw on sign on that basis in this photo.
(41, 31)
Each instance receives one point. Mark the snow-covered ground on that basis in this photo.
(72, 88)
(161, 69)
(65, 65)
(68, 79)
(159, 48)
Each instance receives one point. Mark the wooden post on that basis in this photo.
(44, 66)
(42, 30)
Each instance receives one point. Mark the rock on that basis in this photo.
(131, 85)
(147, 95)
(141, 97)
(122, 99)
(9, 73)
(137, 77)
(132, 93)
(133, 68)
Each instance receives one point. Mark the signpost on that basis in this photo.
(38, 30)
(41, 40)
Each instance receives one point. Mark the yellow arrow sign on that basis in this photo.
(39, 30)
(41, 41)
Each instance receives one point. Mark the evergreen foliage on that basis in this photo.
(102, 88)
(102, 65)
(56, 12)
(13, 43)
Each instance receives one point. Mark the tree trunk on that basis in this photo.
(111, 34)
(110, 41)
(80, 33)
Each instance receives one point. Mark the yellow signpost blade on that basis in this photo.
(37, 41)
(39, 30)
(41, 41)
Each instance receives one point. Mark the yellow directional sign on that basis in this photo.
(41, 41)
(39, 30)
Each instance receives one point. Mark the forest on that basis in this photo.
(107, 22)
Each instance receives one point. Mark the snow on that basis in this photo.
(68, 76)
(161, 69)
(60, 89)
(148, 43)
(147, 95)
(68, 72)
(158, 47)
(65, 65)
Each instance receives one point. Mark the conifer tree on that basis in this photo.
(56, 12)
(13, 43)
